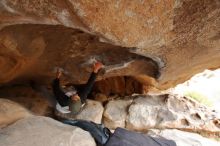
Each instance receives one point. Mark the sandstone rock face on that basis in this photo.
(37, 55)
(10, 112)
(173, 38)
(115, 113)
(184, 138)
(40, 131)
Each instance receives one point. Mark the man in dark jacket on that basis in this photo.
(72, 101)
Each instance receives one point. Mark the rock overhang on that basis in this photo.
(35, 52)
(178, 35)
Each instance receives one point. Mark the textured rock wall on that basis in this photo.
(182, 36)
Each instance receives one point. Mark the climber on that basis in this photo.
(72, 101)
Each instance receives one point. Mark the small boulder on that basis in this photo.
(92, 111)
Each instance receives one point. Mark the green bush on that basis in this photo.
(199, 97)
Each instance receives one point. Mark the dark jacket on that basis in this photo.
(64, 100)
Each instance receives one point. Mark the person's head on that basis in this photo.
(72, 93)
(75, 97)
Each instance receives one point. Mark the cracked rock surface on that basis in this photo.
(162, 112)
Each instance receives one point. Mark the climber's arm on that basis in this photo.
(59, 94)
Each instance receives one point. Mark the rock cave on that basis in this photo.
(147, 47)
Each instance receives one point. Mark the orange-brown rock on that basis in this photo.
(180, 36)
(119, 85)
(36, 51)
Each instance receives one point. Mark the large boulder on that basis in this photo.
(115, 113)
(10, 112)
(184, 138)
(43, 131)
(169, 111)
(173, 39)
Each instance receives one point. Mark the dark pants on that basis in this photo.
(100, 133)
(120, 137)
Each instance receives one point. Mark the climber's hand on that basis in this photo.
(97, 66)
(59, 73)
